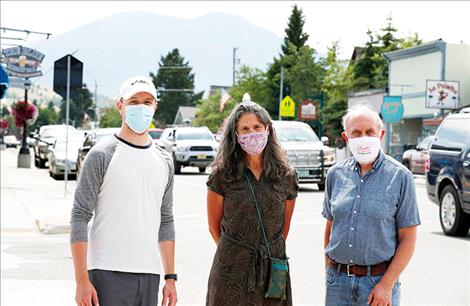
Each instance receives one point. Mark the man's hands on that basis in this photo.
(169, 293)
(86, 294)
(381, 295)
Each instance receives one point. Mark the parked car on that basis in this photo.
(92, 138)
(448, 173)
(45, 139)
(309, 155)
(190, 146)
(62, 153)
(414, 159)
(155, 133)
(11, 141)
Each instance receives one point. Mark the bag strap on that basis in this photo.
(259, 215)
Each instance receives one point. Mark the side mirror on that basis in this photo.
(325, 140)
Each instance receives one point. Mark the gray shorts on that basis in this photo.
(125, 289)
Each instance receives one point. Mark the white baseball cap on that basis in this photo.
(137, 84)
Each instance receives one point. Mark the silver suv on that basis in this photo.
(307, 154)
(190, 146)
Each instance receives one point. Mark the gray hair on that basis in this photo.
(362, 109)
(230, 161)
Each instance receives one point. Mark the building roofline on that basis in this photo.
(426, 48)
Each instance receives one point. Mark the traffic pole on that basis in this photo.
(67, 114)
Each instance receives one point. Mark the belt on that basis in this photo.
(259, 259)
(358, 270)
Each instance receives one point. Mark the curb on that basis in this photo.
(51, 229)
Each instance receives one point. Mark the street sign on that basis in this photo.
(442, 94)
(287, 107)
(392, 109)
(308, 110)
(20, 83)
(23, 62)
(60, 76)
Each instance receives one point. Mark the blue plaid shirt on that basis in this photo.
(368, 211)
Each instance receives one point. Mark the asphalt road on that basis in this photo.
(36, 266)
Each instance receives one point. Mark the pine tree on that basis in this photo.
(365, 66)
(295, 30)
(175, 77)
(294, 40)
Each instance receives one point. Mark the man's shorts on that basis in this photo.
(124, 289)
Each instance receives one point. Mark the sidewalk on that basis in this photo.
(31, 200)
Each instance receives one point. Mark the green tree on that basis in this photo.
(296, 37)
(371, 69)
(295, 30)
(364, 67)
(208, 113)
(110, 118)
(252, 81)
(336, 85)
(305, 74)
(80, 105)
(175, 77)
(47, 115)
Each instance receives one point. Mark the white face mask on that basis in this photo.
(364, 149)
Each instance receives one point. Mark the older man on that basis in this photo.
(372, 215)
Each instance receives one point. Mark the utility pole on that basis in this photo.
(281, 91)
(97, 119)
(234, 64)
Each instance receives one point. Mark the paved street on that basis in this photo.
(36, 266)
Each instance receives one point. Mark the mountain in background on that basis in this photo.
(117, 47)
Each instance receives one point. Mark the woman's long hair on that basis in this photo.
(230, 161)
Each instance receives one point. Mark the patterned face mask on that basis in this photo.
(253, 143)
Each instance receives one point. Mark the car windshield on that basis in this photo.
(295, 133)
(194, 135)
(73, 146)
(424, 144)
(155, 134)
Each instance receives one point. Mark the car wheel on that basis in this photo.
(42, 163)
(454, 221)
(177, 166)
(202, 169)
(321, 187)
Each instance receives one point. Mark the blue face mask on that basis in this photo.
(138, 117)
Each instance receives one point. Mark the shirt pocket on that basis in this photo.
(380, 208)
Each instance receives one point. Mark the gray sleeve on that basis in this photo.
(167, 226)
(86, 194)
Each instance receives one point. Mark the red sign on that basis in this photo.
(308, 110)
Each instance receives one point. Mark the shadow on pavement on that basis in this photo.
(466, 238)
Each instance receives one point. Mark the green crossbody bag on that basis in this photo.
(278, 268)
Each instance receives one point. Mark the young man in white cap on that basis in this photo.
(127, 185)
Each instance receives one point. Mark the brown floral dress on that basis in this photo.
(240, 270)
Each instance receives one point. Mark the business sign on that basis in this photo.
(442, 94)
(287, 107)
(20, 83)
(23, 62)
(308, 110)
(392, 109)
